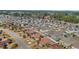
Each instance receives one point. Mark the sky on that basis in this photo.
(39, 4)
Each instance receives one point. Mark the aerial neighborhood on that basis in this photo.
(39, 29)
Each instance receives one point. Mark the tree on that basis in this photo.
(16, 14)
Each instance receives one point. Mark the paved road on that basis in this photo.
(22, 45)
(53, 39)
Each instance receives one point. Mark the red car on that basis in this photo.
(55, 46)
